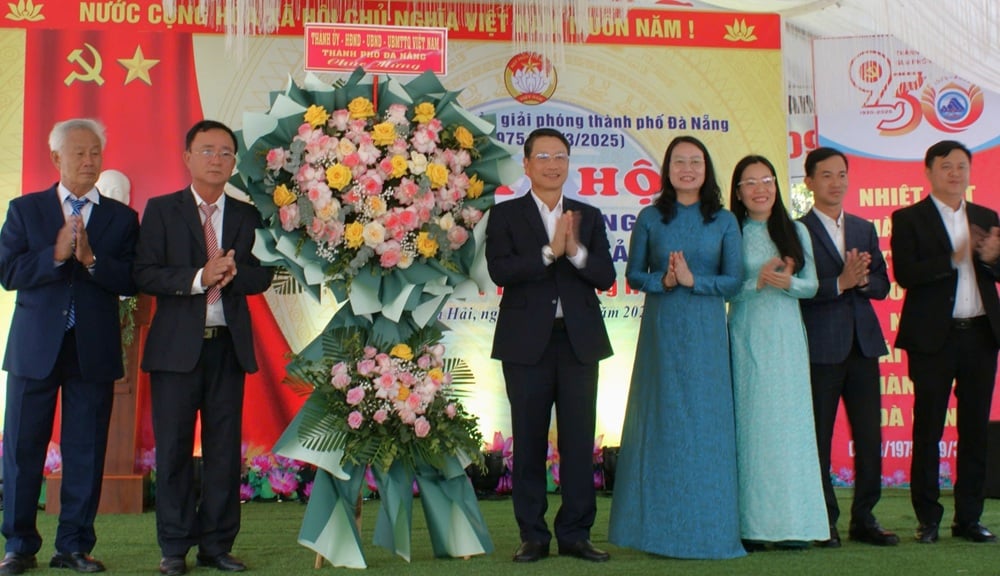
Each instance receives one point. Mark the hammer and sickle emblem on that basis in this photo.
(91, 72)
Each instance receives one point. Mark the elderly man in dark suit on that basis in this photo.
(68, 253)
(845, 341)
(195, 256)
(946, 252)
(550, 254)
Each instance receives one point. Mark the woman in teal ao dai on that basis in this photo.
(781, 494)
(675, 484)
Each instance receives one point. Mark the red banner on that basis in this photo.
(377, 49)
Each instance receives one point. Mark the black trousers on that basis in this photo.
(559, 379)
(969, 358)
(856, 380)
(215, 389)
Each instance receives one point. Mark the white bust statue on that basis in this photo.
(114, 184)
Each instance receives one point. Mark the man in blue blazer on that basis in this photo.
(68, 253)
(845, 341)
(549, 254)
(946, 254)
(195, 257)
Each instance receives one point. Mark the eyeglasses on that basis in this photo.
(208, 154)
(753, 182)
(558, 158)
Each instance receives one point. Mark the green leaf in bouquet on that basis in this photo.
(317, 428)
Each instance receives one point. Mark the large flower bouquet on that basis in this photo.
(378, 190)
(375, 191)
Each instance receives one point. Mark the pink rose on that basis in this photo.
(355, 395)
(421, 427)
(275, 158)
(289, 217)
(471, 215)
(390, 257)
(340, 381)
(366, 367)
(339, 119)
(380, 416)
(370, 351)
(457, 237)
(424, 362)
(451, 410)
(354, 420)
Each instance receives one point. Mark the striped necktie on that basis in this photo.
(211, 246)
(77, 204)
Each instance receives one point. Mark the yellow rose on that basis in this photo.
(283, 196)
(475, 189)
(384, 134)
(464, 137)
(399, 165)
(403, 393)
(354, 234)
(426, 245)
(401, 351)
(437, 174)
(423, 113)
(338, 176)
(361, 108)
(316, 116)
(435, 374)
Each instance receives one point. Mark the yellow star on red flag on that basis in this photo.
(138, 67)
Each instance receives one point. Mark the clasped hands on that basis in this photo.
(678, 273)
(219, 270)
(72, 242)
(776, 272)
(855, 272)
(565, 239)
(985, 243)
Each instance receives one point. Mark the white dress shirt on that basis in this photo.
(214, 315)
(549, 219)
(968, 303)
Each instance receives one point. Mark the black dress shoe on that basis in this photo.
(927, 533)
(585, 550)
(873, 534)
(752, 546)
(833, 541)
(531, 552)
(78, 561)
(173, 566)
(15, 563)
(225, 562)
(975, 532)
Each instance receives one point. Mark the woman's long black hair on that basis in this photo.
(779, 224)
(710, 194)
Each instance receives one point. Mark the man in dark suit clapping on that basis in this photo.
(550, 254)
(195, 256)
(946, 254)
(68, 253)
(845, 341)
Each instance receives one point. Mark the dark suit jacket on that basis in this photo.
(27, 264)
(515, 235)
(834, 321)
(921, 262)
(171, 251)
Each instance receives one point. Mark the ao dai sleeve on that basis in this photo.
(804, 282)
(727, 282)
(637, 271)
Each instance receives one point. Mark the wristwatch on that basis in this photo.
(92, 262)
(548, 254)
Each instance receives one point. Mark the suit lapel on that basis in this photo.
(187, 210)
(929, 213)
(51, 212)
(534, 218)
(100, 218)
(813, 222)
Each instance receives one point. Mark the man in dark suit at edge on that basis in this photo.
(195, 257)
(945, 253)
(68, 253)
(846, 341)
(549, 254)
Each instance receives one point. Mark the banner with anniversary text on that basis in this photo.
(884, 104)
(638, 80)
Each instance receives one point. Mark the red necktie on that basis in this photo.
(211, 245)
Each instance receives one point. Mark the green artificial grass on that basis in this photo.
(267, 543)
